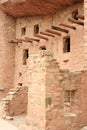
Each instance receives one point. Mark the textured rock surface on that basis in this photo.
(33, 7)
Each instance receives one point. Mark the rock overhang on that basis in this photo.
(20, 8)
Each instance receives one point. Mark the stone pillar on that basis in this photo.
(7, 52)
(44, 92)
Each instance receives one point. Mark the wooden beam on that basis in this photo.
(32, 39)
(15, 41)
(47, 34)
(40, 36)
(53, 32)
(76, 21)
(60, 29)
(68, 26)
(12, 41)
(26, 40)
(80, 16)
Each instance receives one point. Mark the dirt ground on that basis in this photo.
(4, 125)
(12, 124)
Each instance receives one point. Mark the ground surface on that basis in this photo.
(4, 125)
(12, 124)
(17, 120)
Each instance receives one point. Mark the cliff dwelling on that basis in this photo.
(43, 64)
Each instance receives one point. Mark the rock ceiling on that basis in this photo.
(19, 8)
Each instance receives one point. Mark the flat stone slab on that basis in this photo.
(70, 115)
(4, 125)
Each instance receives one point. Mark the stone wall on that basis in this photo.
(18, 105)
(15, 103)
(7, 53)
(71, 60)
(57, 98)
(48, 106)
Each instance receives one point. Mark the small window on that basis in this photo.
(48, 101)
(66, 44)
(69, 96)
(20, 74)
(20, 84)
(42, 48)
(23, 31)
(74, 14)
(25, 56)
(36, 29)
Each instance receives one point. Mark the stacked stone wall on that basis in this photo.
(15, 102)
(7, 53)
(48, 107)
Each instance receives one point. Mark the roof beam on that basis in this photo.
(26, 40)
(40, 36)
(32, 39)
(60, 29)
(53, 32)
(15, 41)
(47, 34)
(68, 26)
(76, 21)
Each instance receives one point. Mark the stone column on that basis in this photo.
(43, 92)
(7, 52)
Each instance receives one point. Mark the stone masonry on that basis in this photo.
(48, 108)
(42, 73)
(12, 53)
(7, 53)
(17, 96)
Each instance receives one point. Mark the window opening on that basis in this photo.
(25, 56)
(74, 14)
(20, 84)
(42, 48)
(69, 96)
(66, 44)
(23, 31)
(36, 29)
(20, 74)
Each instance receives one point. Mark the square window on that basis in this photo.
(69, 96)
(20, 84)
(43, 48)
